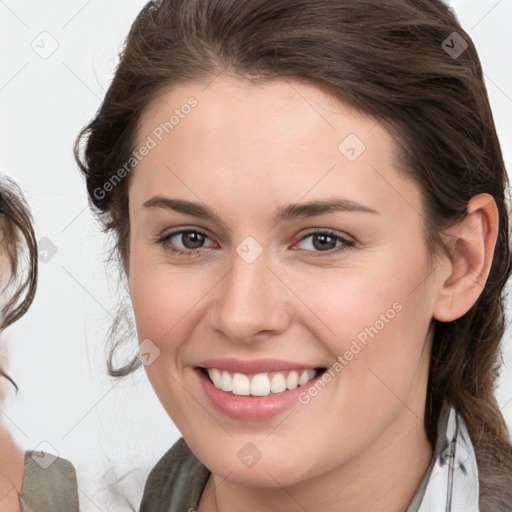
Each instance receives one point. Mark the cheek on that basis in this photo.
(163, 304)
(159, 302)
(379, 318)
(374, 318)
(167, 300)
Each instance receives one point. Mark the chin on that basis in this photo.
(241, 462)
(264, 474)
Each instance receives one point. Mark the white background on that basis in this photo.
(57, 353)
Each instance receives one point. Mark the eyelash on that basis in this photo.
(346, 243)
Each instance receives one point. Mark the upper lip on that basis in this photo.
(254, 366)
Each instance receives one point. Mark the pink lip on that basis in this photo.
(253, 367)
(252, 408)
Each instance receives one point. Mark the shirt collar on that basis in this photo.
(453, 482)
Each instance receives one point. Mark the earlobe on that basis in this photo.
(111, 216)
(472, 256)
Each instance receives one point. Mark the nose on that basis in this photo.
(251, 302)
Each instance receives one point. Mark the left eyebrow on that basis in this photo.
(284, 213)
(313, 208)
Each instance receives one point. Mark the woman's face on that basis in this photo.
(277, 290)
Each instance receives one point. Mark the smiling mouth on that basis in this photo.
(259, 384)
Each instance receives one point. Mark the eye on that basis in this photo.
(324, 242)
(191, 240)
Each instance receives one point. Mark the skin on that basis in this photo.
(12, 458)
(12, 468)
(244, 151)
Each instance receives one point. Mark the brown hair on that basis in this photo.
(18, 244)
(389, 59)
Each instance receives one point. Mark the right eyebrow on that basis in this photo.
(182, 206)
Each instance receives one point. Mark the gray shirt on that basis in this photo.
(49, 484)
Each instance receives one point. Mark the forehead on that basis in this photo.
(264, 140)
(290, 109)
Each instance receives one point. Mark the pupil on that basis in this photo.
(189, 242)
(323, 241)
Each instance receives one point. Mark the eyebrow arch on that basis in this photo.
(313, 208)
(284, 213)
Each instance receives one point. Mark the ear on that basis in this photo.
(472, 255)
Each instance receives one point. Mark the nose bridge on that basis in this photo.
(250, 300)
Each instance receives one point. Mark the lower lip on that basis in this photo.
(252, 407)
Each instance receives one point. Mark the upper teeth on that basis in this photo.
(261, 384)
